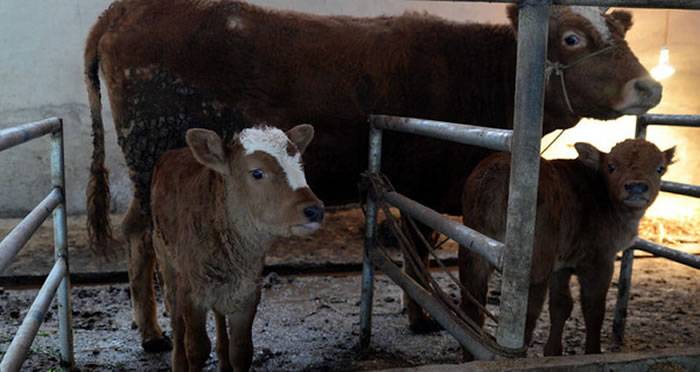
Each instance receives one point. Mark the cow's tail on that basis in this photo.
(98, 196)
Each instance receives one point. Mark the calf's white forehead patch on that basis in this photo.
(597, 19)
(274, 142)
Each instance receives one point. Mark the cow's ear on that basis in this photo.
(207, 148)
(301, 136)
(512, 12)
(589, 155)
(622, 18)
(669, 155)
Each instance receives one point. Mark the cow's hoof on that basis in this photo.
(425, 326)
(157, 345)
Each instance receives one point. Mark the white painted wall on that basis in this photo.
(41, 47)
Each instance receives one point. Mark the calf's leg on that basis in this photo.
(197, 342)
(222, 343)
(560, 306)
(240, 333)
(474, 273)
(594, 281)
(178, 358)
(138, 231)
(418, 320)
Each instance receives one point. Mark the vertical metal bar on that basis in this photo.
(533, 27)
(375, 161)
(61, 249)
(624, 282)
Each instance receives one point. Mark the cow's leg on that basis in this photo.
(560, 306)
(240, 331)
(222, 343)
(536, 297)
(138, 232)
(197, 342)
(594, 281)
(418, 320)
(474, 272)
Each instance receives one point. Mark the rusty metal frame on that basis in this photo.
(58, 281)
(625, 281)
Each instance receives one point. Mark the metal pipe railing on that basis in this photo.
(475, 241)
(680, 188)
(668, 4)
(668, 253)
(444, 317)
(58, 279)
(20, 234)
(670, 120)
(17, 351)
(491, 138)
(533, 28)
(20, 134)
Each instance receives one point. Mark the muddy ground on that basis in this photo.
(309, 322)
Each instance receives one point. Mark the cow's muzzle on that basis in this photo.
(639, 96)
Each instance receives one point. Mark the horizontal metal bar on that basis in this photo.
(26, 132)
(665, 252)
(670, 4)
(670, 120)
(681, 188)
(492, 138)
(20, 234)
(491, 249)
(17, 351)
(437, 310)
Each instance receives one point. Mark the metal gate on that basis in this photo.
(625, 281)
(58, 279)
(513, 256)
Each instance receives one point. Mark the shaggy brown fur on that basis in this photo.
(588, 209)
(213, 222)
(177, 64)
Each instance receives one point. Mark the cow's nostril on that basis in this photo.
(647, 87)
(636, 187)
(314, 214)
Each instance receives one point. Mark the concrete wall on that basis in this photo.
(41, 75)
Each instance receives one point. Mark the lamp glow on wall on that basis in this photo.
(664, 70)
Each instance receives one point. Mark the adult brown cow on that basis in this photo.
(173, 65)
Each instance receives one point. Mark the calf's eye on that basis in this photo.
(257, 173)
(611, 168)
(660, 169)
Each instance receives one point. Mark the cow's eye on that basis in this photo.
(611, 168)
(257, 173)
(660, 169)
(572, 39)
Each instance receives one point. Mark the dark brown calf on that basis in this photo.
(217, 207)
(171, 65)
(588, 209)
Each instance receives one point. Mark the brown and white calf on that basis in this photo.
(588, 209)
(217, 207)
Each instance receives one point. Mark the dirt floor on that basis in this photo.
(309, 321)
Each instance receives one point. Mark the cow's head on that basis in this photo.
(632, 169)
(604, 85)
(263, 177)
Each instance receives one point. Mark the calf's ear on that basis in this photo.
(589, 155)
(669, 154)
(301, 136)
(207, 148)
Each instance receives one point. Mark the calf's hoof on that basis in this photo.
(425, 325)
(157, 345)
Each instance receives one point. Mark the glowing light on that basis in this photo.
(663, 70)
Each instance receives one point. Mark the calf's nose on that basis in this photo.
(636, 187)
(648, 89)
(314, 213)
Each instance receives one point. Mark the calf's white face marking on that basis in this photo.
(597, 19)
(274, 142)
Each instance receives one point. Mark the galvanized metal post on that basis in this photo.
(624, 282)
(375, 161)
(61, 249)
(533, 27)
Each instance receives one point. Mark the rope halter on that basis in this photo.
(558, 69)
